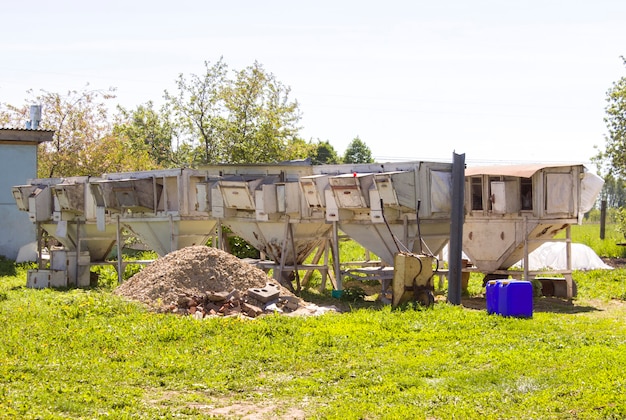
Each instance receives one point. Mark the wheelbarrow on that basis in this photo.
(412, 279)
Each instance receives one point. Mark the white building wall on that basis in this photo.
(18, 164)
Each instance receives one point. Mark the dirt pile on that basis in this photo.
(203, 281)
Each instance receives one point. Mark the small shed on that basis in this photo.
(18, 163)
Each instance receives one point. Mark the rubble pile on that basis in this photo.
(202, 281)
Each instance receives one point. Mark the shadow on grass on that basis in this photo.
(7, 267)
(540, 304)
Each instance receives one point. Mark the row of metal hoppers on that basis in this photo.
(295, 214)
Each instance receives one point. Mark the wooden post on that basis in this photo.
(602, 218)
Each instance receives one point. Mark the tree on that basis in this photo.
(262, 121)
(198, 109)
(614, 191)
(615, 120)
(358, 152)
(298, 149)
(148, 130)
(248, 118)
(83, 143)
(324, 153)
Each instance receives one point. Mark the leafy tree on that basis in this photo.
(297, 148)
(614, 191)
(248, 118)
(358, 152)
(149, 131)
(615, 120)
(198, 109)
(262, 121)
(83, 143)
(614, 155)
(324, 153)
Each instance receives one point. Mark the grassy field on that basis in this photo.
(88, 354)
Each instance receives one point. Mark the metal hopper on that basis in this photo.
(392, 207)
(264, 205)
(64, 208)
(166, 209)
(510, 210)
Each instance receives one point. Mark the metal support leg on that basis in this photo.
(120, 264)
(336, 263)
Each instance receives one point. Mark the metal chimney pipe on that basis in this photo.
(35, 117)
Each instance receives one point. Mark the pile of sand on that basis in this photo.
(194, 276)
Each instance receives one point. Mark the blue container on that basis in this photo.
(492, 292)
(515, 298)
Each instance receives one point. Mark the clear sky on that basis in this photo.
(521, 81)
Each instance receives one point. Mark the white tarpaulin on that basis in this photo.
(552, 255)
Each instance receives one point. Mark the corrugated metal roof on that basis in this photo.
(25, 135)
(524, 171)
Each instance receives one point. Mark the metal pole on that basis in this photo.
(526, 258)
(77, 251)
(118, 239)
(39, 246)
(336, 265)
(456, 229)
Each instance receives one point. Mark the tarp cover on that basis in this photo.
(523, 171)
(552, 255)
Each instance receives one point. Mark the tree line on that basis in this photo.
(611, 161)
(223, 116)
(219, 116)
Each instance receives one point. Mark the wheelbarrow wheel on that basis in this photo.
(425, 298)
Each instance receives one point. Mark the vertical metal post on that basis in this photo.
(172, 234)
(39, 246)
(335, 249)
(220, 235)
(526, 258)
(118, 240)
(568, 259)
(456, 229)
(77, 251)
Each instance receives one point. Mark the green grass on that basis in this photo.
(589, 234)
(88, 354)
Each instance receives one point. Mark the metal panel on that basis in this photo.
(203, 195)
(440, 191)
(21, 194)
(351, 190)
(332, 210)
(40, 205)
(559, 187)
(265, 202)
(236, 195)
(71, 197)
(386, 190)
(288, 197)
(313, 188)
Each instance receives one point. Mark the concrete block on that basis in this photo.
(265, 294)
